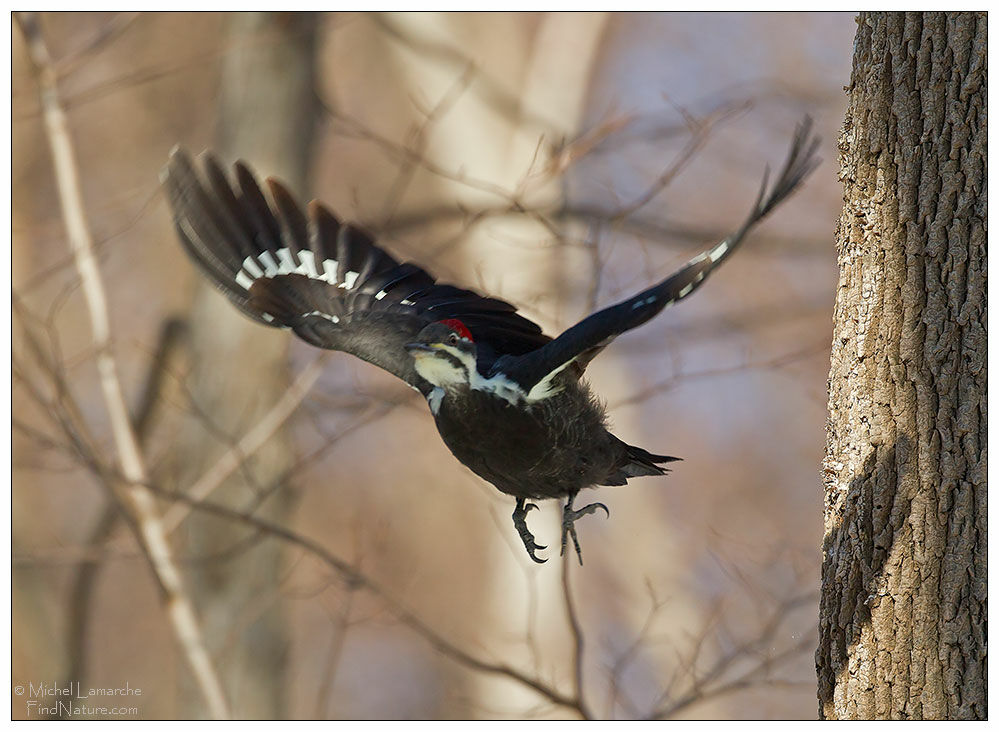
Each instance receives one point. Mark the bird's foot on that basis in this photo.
(569, 518)
(520, 523)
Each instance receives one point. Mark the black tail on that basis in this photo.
(644, 462)
(636, 462)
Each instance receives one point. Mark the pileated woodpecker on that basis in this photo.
(509, 402)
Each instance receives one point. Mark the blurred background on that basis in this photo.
(558, 161)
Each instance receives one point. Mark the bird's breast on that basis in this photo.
(543, 449)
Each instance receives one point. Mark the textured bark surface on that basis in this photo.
(903, 609)
(266, 116)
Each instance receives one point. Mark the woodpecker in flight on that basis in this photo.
(509, 402)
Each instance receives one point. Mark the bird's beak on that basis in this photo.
(415, 348)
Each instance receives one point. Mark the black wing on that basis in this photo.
(326, 281)
(534, 372)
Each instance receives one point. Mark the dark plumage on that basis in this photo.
(508, 400)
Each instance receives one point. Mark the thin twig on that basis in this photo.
(105, 36)
(700, 130)
(135, 498)
(351, 575)
(253, 440)
(771, 363)
(578, 644)
(333, 655)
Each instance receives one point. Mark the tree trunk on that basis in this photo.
(266, 116)
(903, 608)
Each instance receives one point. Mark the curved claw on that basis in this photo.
(593, 509)
(520, 523)
(569, 518)
(533, 556)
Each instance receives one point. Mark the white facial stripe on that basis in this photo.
(444, 373)
(441, 371)
(500, 386)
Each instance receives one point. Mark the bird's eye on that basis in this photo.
(453, 340)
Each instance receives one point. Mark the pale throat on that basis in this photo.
(443, 372)
(449, 375)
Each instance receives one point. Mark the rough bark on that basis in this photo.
(903, 609)
(266, 116)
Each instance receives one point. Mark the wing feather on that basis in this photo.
(536, 372)
(327, 281)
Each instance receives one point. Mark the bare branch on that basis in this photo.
(350, 574)
(770, 363)
(135, 498)
(578, 642)
(250, 443)
(701, 130)
(107, 34)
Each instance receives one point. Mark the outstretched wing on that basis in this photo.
(535, 372)
(326, 281)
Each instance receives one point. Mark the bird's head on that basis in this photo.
(444, 353)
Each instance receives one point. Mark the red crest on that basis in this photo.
(458, 327)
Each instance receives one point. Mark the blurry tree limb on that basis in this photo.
(775, 362)
(729, 672)
(353, 577)
(748, 663)
(700, 130)
(578, 639)
(107, 34)
(555, 214)
(172, 338)
(253, 440)
(324, 691)
(265, 113)
(134, 498)
(504, 102)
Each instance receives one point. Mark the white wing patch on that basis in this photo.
(270, 266)
(320, 314)
(546, 388)
(719, 251)
(264, 265)
(646, 301)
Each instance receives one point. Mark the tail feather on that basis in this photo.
(636, 462)
(644, 462)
